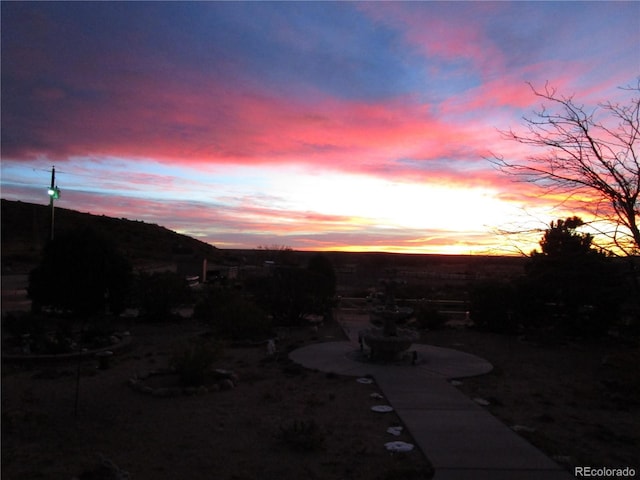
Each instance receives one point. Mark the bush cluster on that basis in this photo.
(192, 360)
(232, 315)
(159, 293)
(492, 306)
(569, 288)
(428, 317)
(56, 333)
(81, 272)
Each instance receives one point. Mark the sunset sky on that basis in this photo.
(318, 126)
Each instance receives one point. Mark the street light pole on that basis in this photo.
(54, 194)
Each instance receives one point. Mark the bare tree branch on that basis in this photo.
(589, 152)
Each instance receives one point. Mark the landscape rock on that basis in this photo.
(271, 348)
(382, 408)
(399, 446)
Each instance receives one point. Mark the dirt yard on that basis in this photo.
(246, 432)
(579, 403)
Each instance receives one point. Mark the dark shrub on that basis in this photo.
(192, 360)
(289, 293)
(97, 331)
(24, 323)
(233, 315)
(428, 316)
(492, 306)
(159, 293)
(322, 282)
(80, 272)
(39, 333)
(569, 285)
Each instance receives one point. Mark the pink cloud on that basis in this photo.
(198, 127)
(192, 123)
(450, 31)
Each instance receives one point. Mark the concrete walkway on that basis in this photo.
(461, 439)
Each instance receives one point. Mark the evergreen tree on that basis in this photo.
(570, 284)
(81, 272)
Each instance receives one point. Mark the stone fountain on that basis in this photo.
(388, 342)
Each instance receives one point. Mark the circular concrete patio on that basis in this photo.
(346, 359)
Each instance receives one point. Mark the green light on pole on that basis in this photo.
(54, 193)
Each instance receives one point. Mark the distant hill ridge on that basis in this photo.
(26, 227)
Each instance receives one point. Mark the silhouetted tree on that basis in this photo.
(81, 272)
(562, 241)
(290, 295)
(569, 284)
(280, 254)
(323, 282)
(589, 153)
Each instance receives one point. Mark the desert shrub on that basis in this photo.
(39, 333)
(192, 360)
(289, 293)
(492, 306)
(428, 316)
(242, 319)
(574, 300)
(53, 344)
(159, 293)
(302, 435)
(24, 323)
(97, 331)
(233, 315)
